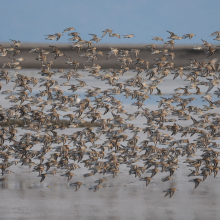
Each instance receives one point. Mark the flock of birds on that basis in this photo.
(114, 140)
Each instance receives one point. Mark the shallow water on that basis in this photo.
(122, 197)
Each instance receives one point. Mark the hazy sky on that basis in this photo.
(29, 21)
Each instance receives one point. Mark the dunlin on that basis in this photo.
(170, 192)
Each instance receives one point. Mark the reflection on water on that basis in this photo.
(123, 197)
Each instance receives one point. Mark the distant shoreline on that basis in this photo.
(182, 55)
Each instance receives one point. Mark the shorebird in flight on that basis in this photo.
(109, 31)
(215, 33)
(190, 36)
(50, 37)
(16, 43)
(115, 35)
(158, 39)
(95, 38)
(128, 36)
(173, 36)
(68, 29)
(206, 44)
(210, 51)
(170, 192)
